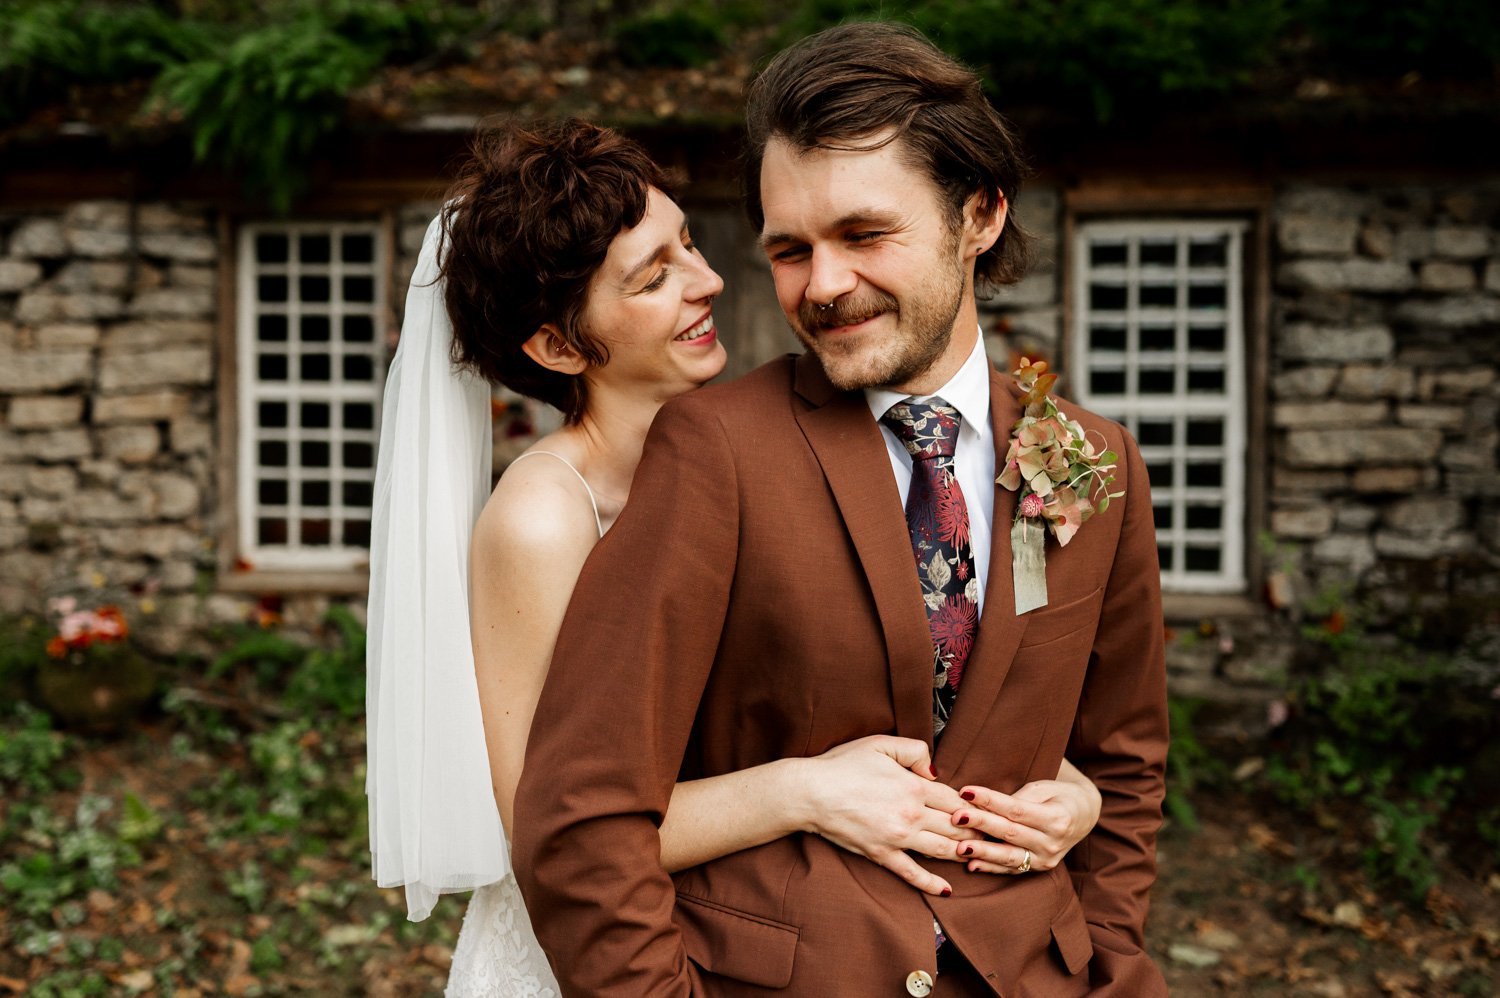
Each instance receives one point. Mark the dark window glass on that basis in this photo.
(1107, 339)
(1155, 381)
(1208, 253)
(271, 328)
(271, 287)
(316, 367)
(1104, 297)
(1159, 253)
(359, 416)
(1160, 474)
(317, 533)
(1107, 382)
(358, 367)
(1201, 559)
(359, 329)
(314, 454)
(315, 415)
(1206, 382)
(272, 414)
(358, 455)
(1158, 338)
(270, 248)
(1158, 295)
(359, 493)
(1207, 339)
(359, 289)
(1155, 433)
(271, 366)
(1206, 296)
(313, 288)
(1204, 517)
(314, 248)
(1205, 432)
(357, 533)
(272, 492)
(1107, 254)
(273, 453)
(357, 248)
(316, 493)
(270, 530)
(1163, 517)
(314, 329)
(1164, 555)
(1204, 474)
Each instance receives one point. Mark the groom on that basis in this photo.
(809, 559)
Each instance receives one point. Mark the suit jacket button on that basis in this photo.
(919, 983)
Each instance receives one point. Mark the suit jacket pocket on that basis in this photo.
(1070, 934)
(1053, 622)
(737, 944)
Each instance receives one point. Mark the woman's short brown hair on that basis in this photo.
(839, 87)
(526, 224)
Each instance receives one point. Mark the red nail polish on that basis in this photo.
(966, 850)
(963, 819)
(947, 892)
(967, 795)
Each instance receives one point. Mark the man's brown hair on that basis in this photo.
(527, 223)
(838, 88)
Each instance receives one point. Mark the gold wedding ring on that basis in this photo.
(1026, 863)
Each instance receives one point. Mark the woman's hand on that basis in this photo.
(878, 797)
(1044, 819)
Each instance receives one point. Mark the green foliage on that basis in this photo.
(1441, 38)
(1190, 764)
(679, 36)
(61, 861)
(30, 751)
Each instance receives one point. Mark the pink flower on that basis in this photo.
(1031, 505)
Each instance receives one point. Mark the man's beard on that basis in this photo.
(924, 328)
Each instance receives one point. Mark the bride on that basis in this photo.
(562, 268)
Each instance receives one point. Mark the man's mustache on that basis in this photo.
(845, 311)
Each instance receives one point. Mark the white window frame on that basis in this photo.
(1179, 406)
(294, 556)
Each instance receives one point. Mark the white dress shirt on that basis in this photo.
(973, 456)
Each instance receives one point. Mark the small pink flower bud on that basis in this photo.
(1031, 506)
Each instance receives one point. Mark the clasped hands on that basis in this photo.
(878, 797)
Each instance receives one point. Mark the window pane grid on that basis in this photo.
(312, 369)
(1159, 339)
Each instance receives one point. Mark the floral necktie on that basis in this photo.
(938, 519)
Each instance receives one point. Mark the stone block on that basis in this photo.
(1328, 414)
(157, 332)
(186, 365)
(12, 476)
(1316, 235)
(1355, 274)
(1461, 206)
(1445, 275)
(35, 411)
(52, 445)
(1304, 341)
(182, 275)
(163, 542)
(39, 239)
(1330, 202)
(1472, 483)
(177, 496)
(99, 472)
(98, 243)
(131, 444)
(1393, 545)
(111, 276)
(158, 217)
(1474, 451)
(1400, 480)
(1459, 382)
(1369, 445)
(193, 247)
(44, 370)
(1460, 242)
(18, 275)
(1377, 240)
(1038, 323)
(1356, 552)
(1431, 417)
(42, 509)
(103, 506)
(1349, 518)
(1032, 291)
(51, 481)
(1303, 522)
(65, 335)
(1424, 515)
(1413, 243)
(1492, 277)
(1304, 382)
(1296, 481)
(174, 302)
(46, 305)
(189, 435)
(1457, 312)
(144, 407)
(1368, 381)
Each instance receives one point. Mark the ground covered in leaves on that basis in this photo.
(217, 846)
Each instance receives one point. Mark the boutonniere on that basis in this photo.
(1062, 480)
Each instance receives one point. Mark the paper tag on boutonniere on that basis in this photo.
(1028, 565)
(1061, 478)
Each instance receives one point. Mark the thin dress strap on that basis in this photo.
(592, 501)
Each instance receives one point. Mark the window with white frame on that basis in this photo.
(311, 367)
(1159, 344)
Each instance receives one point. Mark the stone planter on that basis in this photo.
(98, 688)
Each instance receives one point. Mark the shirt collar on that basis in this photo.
(968, 391)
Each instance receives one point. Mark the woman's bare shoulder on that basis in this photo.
(539, 506)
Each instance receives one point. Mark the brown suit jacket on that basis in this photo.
(757, 600)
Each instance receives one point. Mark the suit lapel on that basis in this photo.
(1000, 629)
(852, 453)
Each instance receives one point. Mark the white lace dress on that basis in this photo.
(497, 955)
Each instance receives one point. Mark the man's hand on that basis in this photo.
(1045, 818)
(878, 797)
